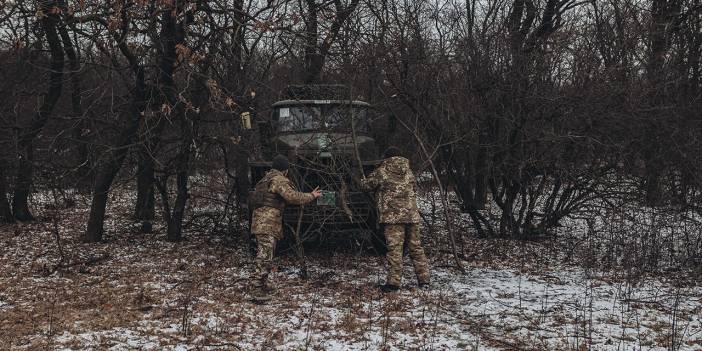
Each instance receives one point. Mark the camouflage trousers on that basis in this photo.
(265, 247)
(396, 236)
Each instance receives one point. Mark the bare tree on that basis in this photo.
(316, 45)
(50, 18)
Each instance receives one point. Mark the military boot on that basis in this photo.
(260, 296)
(386, 288)
(268, 287)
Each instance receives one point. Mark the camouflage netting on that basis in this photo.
(318, 92)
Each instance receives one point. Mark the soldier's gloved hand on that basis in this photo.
(356, 180)
(316, 192)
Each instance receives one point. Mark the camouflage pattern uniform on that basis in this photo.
(267, 223)
(394, 183)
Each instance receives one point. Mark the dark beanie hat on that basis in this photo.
(392, 151)
(281, 163)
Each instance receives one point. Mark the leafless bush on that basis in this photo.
(546, 119)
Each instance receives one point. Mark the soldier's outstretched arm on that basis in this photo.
(373, 181)
(292, 196)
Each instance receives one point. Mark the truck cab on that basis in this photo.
(328, 142)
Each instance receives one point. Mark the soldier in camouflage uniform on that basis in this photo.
(394, 184)
(268, 201)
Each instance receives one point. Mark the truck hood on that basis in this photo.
(336, 143)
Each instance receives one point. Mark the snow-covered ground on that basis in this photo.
(136, 291)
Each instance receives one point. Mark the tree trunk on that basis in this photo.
(144, 209)
(172, 34)
(175, 223)
(313, 59)
(82, 162)
(316, 53)
(481, 173)
(98, 205)
(106, 175)
(243, 185)
(663, 14)
(5, 211)
(238, 40)
(23, 178)
(175, 219)
(23, 183)
(654, 189)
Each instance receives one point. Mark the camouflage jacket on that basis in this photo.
(269, 220)
(394, 184)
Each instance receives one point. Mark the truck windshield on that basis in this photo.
(329, 117)
(298, 118)
(339, 118)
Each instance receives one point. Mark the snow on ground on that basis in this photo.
(136, 291)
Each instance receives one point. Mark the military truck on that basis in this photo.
(327, 138)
